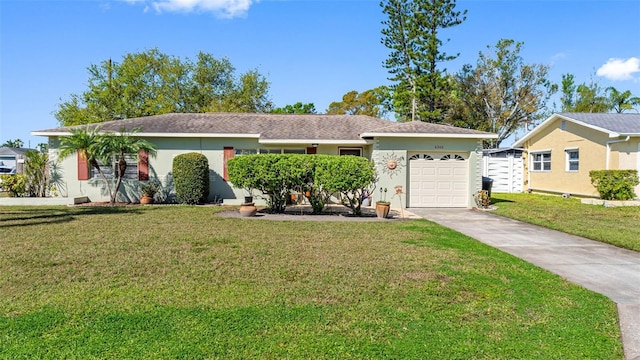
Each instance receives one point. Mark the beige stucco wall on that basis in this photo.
(592, 148)
(627, 154)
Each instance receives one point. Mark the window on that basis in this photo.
(541, 161)
(270, 151)
(452, 157)
(110, 171)
(239, 152)
(350, 151)
(573, 159)
(294, 151)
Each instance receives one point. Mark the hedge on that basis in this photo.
(191, 178)
(317, 176)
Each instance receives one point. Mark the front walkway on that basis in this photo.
(603, 268)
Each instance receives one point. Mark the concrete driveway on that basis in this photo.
(599, 267)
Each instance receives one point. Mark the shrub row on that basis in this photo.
(318, 177)
(615, 184)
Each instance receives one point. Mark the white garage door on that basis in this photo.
(438, 180)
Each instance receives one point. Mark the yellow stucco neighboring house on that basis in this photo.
(560, 152)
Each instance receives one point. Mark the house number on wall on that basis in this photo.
(439, 147)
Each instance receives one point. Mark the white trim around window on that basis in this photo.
(541, 161)
(572, 160)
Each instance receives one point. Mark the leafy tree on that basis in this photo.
(152, 83)
(249, 94)
(501, 93)
(17, 143)
(373, 102)
(411, 33)
(349, 176)
(621, 101)
(582, 97)
(568, 97)
(297, 108)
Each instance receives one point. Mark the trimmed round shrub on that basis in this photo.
(191, 178)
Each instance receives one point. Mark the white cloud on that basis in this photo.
(224, 8)
(619, 69)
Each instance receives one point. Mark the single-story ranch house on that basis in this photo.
(436, 165)
(566, 146)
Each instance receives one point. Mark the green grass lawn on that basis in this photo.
(179, 282)
(613, 225)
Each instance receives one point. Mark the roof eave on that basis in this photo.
(313, 141)
(160, 135)
(554, 117)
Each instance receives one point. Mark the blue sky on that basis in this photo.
(310, 50)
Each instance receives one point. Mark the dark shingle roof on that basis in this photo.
(420, 127)
(619, 123)
(269, 126)
(7, 151)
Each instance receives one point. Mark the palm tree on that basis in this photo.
(119, 146)
(621, 101)
(17, 143)
(96, 148)
(86, 142)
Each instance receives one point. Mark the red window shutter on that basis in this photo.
(143, 165)
(228, 154)
(83, 166)
(312, 150)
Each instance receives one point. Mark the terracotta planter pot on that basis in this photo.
(382, 209)
(248, 209)
(146, 199)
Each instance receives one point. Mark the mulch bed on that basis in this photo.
(292, 212)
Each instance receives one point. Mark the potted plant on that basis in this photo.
(149, 190)
(248, 208)
(383, 206)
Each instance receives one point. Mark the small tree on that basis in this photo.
(276, 177)
(36, 171)
(191, 178)
(349, 176)
(241, 172)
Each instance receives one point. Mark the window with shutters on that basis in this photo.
(110, 170)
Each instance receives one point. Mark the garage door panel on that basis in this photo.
(438, 183)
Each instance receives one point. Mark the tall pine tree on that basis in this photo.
(411, 32)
